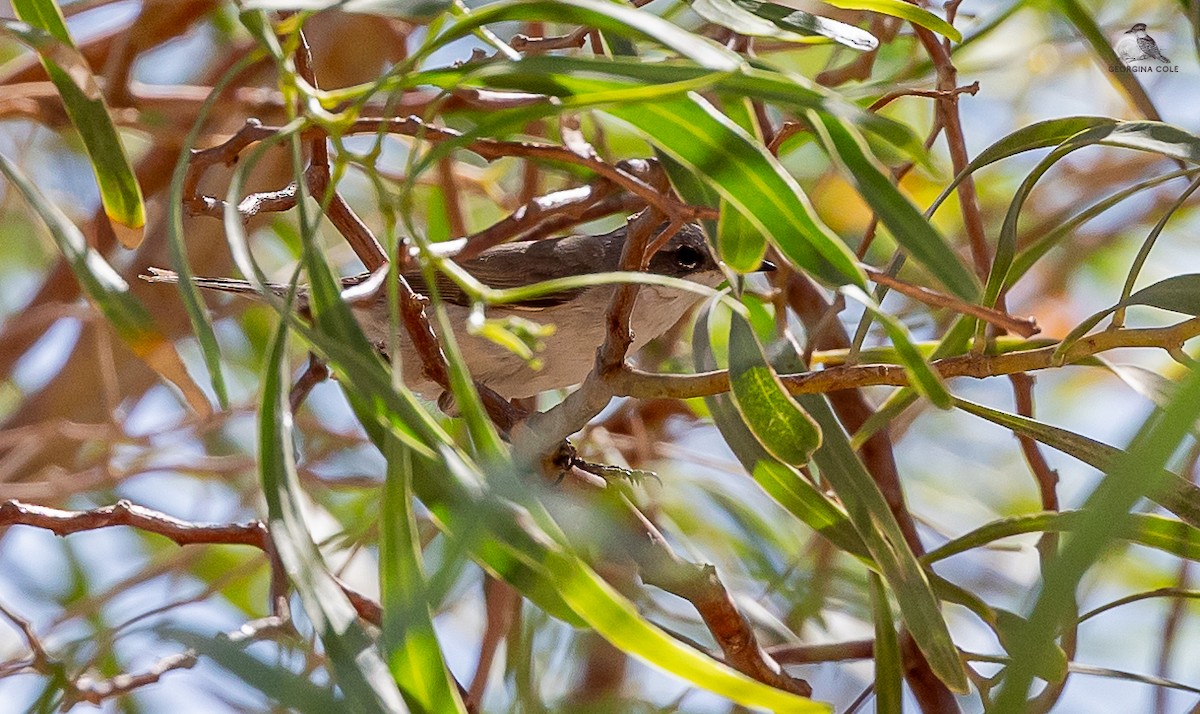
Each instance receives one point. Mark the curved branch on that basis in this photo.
(631, 382)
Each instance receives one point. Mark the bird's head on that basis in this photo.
(687, 255)
(1140, 27)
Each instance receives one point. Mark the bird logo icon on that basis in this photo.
(1136, 46)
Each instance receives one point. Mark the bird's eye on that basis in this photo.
(688, 258)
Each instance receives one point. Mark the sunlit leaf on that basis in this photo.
(612, 17)
(410, 644)
(119, 190)
(766, 19)
(903, 10)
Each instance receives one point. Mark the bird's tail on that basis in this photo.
(225, 285)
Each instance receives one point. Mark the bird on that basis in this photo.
(1139, 46)
(579, 316)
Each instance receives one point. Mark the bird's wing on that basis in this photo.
(450, 292)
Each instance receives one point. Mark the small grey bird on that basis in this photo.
(1140, 46)
(578, 315)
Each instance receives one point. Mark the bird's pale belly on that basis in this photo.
(568, 354)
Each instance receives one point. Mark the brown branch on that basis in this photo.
(631, 382)
(972, 89)
(634, 256)
(534, 45)
(813, 654)
(503, 607)
(96, 691)
(1023, 326)
(1045, 477)
(124, 513)
(947, 82)
(41, 660)
(573, 204)
(319, 181)
(702, 587)
(488, 149)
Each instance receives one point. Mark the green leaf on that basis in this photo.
(109, 291)
(790, 489)
(409, 642)
(361, 673)
(1165, 534)
(739, 243)
(295, 692)
(1038, 135)
(776, 418)
(1153, 137)
(555, 75)
(723, 155)
(1179, 293)
(926, 381)
(766, 19)
(889, 667)
(193, 303)
(1172, 492)
(1037, 248)
(877, 526)
(903, 10)
(619, 19)
(119, 190)
(911, 230)
(1007, 625)
(1133, 474)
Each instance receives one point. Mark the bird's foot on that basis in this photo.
(614, 475)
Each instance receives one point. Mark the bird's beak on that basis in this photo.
(766, 267)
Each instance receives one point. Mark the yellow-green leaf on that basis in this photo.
(119, 190)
